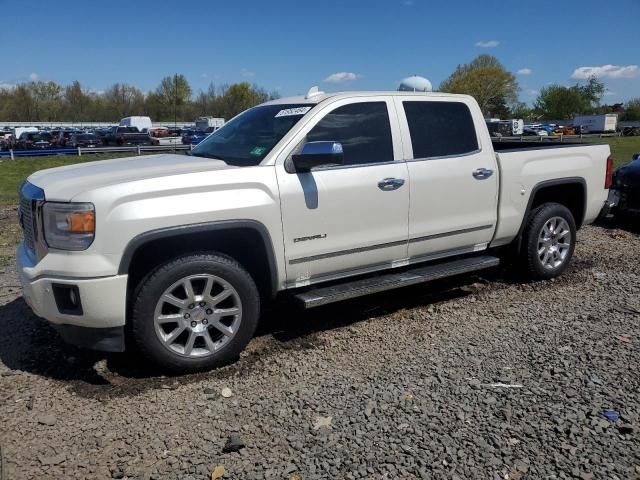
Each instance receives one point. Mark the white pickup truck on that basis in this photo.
(325, 196)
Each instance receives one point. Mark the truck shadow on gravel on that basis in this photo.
(35, 347)
(631, 225)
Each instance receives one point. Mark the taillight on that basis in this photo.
(608, 179)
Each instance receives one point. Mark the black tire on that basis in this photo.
(537, 219)
(153, 286)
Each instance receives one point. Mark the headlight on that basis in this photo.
(69, 226)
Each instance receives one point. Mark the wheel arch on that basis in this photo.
(570, 192)
(247, 241)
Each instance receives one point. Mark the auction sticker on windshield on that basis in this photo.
(287, 112)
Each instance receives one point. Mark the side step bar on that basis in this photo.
(367, 286)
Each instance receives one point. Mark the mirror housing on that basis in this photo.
(316, 154)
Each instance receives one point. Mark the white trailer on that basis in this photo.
(597, 123)
(143, 124)
(204, 123)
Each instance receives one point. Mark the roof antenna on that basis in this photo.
(313, 92)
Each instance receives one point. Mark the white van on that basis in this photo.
(20, 130)
(143, 124)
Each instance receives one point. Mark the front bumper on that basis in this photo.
(99, 323)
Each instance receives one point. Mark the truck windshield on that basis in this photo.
(248, 138)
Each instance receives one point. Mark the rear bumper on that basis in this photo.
(98, 319)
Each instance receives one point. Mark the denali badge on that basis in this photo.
(310, 237)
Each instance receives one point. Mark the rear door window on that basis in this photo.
(440, 129)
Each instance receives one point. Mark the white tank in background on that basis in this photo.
(415, 84)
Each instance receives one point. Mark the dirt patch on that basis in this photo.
(10, 234)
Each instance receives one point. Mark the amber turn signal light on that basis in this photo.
(82, 222)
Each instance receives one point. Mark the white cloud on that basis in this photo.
(407, 3)
(532, 92)
(341, 77)
(607, 71)
(524, 71)
(247, 73)
(488, 44)
(34, 77)
(609, 93)
(7, 86)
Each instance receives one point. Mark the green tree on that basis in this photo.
(521, 110)
(77, 103)
(239, 97)
(557, 102)
(20, 105)
(632, 110)
(46, 98)
(174, 93)
(486, 79)
(123, 100)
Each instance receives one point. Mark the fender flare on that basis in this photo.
(551, 183)
(169, 232)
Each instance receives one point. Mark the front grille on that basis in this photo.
(31, 200)
(26, 215)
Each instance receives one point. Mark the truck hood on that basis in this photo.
(64, 183)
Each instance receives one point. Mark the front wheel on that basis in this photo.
(195, 313)
(548, 241)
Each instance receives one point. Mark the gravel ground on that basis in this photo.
(480, 377)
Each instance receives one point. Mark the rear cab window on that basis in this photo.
(440, 129)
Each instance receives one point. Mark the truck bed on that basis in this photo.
(527, 165)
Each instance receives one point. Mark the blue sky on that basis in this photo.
(289, 46)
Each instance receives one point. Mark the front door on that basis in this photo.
(340, 220)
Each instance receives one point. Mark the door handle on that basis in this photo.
(388, 184)
(482, 173)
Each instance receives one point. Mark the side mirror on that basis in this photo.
(315, 154)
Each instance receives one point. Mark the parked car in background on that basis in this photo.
(175, 131)
(126, 136)
(630, 131)
(193, 137)
(6, 140)
(535, 131)
(34, 140)
(84, 140)
(61, 137)
(625, 193)
(159, 132)
(581, 129)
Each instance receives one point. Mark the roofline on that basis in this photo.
(361, 93)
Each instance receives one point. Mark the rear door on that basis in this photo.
(343, 220)
(453, 176)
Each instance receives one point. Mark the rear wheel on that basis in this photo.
(548, 241)
(195, 313)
